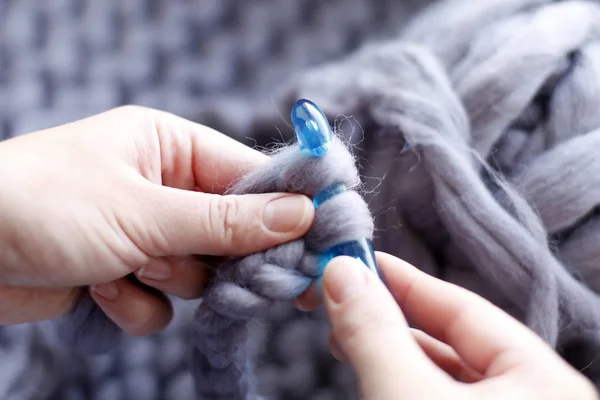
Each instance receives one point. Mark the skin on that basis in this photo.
(140, 191)
(466, 347)
(132, 190)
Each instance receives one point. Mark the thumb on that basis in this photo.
(185, 222)
(373, 335)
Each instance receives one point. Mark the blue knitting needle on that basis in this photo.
(315, 137)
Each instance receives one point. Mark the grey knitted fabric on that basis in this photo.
(65, 59)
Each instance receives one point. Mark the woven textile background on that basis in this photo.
(62, 60)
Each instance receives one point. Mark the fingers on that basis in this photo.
(440, 353)
(193, 155)
(20, 305)
(136, 311)
(183, 277)
(486, 338)
(178, 222)
(446, 358)
(373, 335)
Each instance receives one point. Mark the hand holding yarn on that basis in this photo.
(132, 190)
(321, 167)
(467, 349)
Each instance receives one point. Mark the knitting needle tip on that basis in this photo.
(312, 128)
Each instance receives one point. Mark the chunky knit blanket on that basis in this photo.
(476, 124)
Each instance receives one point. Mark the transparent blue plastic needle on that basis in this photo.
(312, 128)
(315, 137)
(360, 249)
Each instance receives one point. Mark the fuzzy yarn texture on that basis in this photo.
(67, 59)
(246, 288)
(475, 128)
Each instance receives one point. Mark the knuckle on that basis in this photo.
(144, 119)
(140, 326)
(225, 217)
(191, 294)
(148, 323)
(194, 290)
(135, 331)
(149, 118)
(188, 295)
(190, 279)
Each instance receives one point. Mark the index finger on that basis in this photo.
(485, 337)
(194, 155)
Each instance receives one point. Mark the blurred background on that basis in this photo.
(62, 60)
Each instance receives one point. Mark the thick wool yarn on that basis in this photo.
(488, 129)
(476, 129)
(481, 129)
(246, 288)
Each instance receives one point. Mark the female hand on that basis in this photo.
(130, 190)
(467, 349)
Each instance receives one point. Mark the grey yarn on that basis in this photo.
(497, 146)
(475, 128)
(245, 289)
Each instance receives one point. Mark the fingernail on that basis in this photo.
(345, 277)
(107, 290)
(287, 214)
(158, 270)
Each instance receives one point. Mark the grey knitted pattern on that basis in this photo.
(63, 60)
(477, 128)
